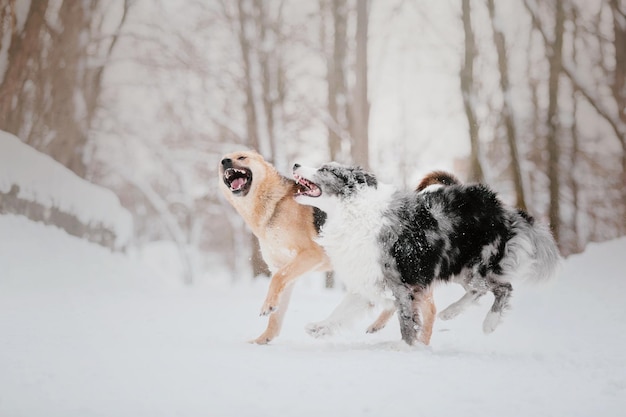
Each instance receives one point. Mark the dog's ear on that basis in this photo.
(364, 177)
(371, 180)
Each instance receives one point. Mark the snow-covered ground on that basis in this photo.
(86, 332)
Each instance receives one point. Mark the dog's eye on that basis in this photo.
(241, 158)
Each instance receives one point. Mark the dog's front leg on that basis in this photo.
(348, 309)
(408, 302)
(275, 321)
(428, 310)
(304, 261)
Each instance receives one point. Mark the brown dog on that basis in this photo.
(286, 232)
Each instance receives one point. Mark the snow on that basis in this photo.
(43, 180)
(88, 332)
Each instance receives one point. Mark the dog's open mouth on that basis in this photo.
(238, 179)
(306, 187)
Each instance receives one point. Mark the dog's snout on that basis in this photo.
(227, 163)
(296, 166)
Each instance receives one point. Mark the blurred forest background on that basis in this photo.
(144, 96)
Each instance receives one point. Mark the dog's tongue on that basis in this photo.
(237, 183)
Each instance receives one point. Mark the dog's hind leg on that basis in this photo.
(429, 311)
(475, 284)
(275, 321)
(381, 321)
(502, 292)
(461, 304)
(347, 311)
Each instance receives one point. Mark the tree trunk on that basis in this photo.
(92, 82)
(25, 45)
(337, 89)
(619, 88)
(269, 72)
(7, 20)
(555, 51)
(65, 118)
(336, 79)
(250, 109)
(507, 107)
(575, 151)
(574, 241)
(259, 267)
(467, 90)
(360, 105)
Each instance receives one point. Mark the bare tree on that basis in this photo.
(592, 94)
(336, 56)
(618, 87)
(507, 105)
(469, 96)
(258, 264)
(555, 56)
(64, 119)
(554, 48)
(573, 242)
(271, 68)
(259, 25)
(22, 56)
(7, 17)
(248, 85)
(361, 105)
(51, 88)
(92, 81)
(336, 65)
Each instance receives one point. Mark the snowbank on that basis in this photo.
(44, 181)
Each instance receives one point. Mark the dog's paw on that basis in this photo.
(318, 329)
(449, 313)
(373, 328)
(491, 322)
(268, 308)
(264, 338)
(261, 340)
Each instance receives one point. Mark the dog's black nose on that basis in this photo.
(296, 166)
(227, 163)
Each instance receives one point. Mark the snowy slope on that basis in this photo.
(43, 180)
(84, 332)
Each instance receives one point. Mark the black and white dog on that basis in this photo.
(389, 246)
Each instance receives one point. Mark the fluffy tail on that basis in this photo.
(548, 261)
(532, 254)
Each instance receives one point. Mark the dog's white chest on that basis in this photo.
(350, 238)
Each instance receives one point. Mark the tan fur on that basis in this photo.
(425, 305)
(429, 312)
(286, 233)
